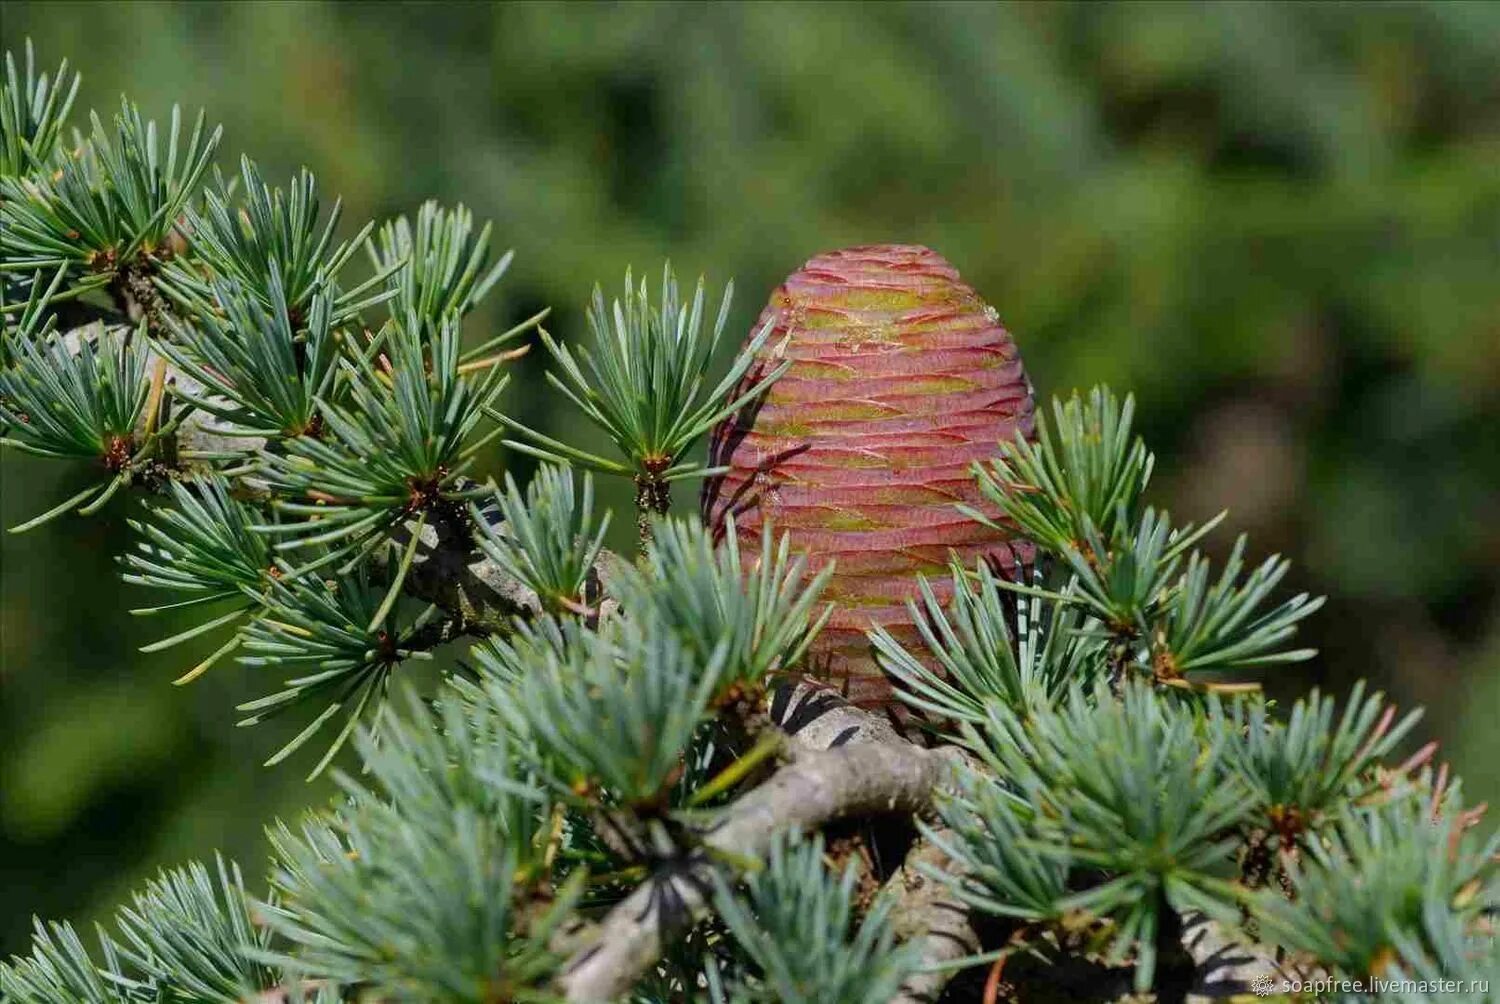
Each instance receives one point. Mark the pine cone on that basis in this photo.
(901, 378)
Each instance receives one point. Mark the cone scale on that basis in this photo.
(901, 378)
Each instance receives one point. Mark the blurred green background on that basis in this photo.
(1278, 225)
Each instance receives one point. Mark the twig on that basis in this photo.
(653, 498)
(450, 571)
(138, 298)
(992, 983)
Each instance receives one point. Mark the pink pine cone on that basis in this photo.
(901, 378)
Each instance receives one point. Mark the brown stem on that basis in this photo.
(992, 982)
(653, 497)
(1175, 971)
(136, 295)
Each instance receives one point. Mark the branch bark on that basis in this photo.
(817, 717)
(1225, 966)
(927, 911)
(450, 571)
(856, 778)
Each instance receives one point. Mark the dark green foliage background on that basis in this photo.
(1279, 225)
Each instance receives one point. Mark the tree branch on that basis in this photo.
(817, 717)
(820, 786)
(450, 571)
(926, 910)
(1226, 967)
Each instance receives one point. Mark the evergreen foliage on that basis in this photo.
(796, 923)
(193, 932)
(759, 607)
(1113, 783)
(111, 204)
(1126, 798)
(432, 882)
(393, 450)
(347, 639)
(612, 714)
(204, 544)
(441, 267)
(83, 404)
(1391, 882)
(1078, 492)
(33, 109)
(645, 382)
(188, 936)
(27, 319)
(244, 352)
(269, 240)
(548, 539)
(983, 658)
